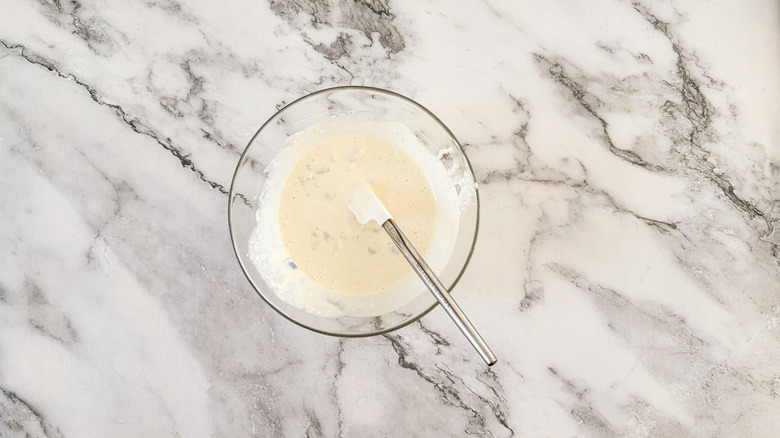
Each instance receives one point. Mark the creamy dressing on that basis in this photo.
(322, 236)
(311, 250)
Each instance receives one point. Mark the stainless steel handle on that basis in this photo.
(439, 291)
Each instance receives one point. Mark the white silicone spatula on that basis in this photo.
(367, 207)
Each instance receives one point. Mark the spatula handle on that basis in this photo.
(439, 291)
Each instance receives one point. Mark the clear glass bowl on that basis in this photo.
(351, 105)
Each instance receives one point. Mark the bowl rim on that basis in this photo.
(246, 150)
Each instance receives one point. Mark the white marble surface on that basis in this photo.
(627, 271)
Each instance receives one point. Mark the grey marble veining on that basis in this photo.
(627, 271)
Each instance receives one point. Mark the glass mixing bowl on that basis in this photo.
(351, 105)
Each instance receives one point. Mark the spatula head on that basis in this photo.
(367, 207)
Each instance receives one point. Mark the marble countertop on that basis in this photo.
(627, 271)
